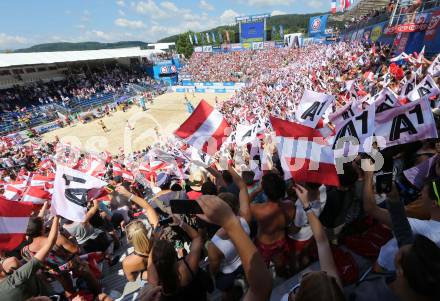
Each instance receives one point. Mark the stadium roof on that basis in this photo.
(363, 7)
(37, 58)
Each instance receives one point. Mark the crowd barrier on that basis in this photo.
(409, 38)
(239, 46)
(207, 87)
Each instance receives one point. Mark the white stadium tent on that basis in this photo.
(38, 58)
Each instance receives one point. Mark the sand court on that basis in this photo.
(166, 113)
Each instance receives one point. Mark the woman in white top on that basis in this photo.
(224, 261)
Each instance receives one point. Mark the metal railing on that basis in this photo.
(405, 11)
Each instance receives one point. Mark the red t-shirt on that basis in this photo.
(193, 195)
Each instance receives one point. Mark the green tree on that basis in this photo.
(183, 44)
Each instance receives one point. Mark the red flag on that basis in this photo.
(12, 193)
(92, 165)
(14, 218)
(205, 129)
(304, 153)
(127, 175)
(40, 180)
(36, 195)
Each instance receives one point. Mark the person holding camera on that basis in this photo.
(430, 198)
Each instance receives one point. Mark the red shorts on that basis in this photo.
(298, 246)
(279, 249)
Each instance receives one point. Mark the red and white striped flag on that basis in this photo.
(36, 195)
(304, 153)
(117, 169)
(333, 7)
(205, 129)
(92, 165)
(12, 193)
(14, 218)
(47, 164)
(41, 181)
(127, 175)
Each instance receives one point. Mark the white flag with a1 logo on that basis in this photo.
(70, 194)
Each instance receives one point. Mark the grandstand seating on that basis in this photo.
(40, 115)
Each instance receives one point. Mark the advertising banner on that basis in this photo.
(207, 48)
(432, 26)
(236, 46)
(376, 32)
(257, 45)
(317, 25)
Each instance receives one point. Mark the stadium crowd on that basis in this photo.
(255, 225)
(77, 86)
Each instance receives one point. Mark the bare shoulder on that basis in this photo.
(263, 210)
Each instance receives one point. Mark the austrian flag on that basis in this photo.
(205, 129)
(14, 218)
(304, 153)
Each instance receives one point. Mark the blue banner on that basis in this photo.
(180, 90)
(196, 41)
(207, 84)
(281, 31)
(228, 84)
(223, 90)
(187, 83)
(317, 25)
(200, 90)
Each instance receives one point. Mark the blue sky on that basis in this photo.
(24, 23)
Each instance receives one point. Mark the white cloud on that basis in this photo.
(6, 39)
(261, 3)
(100, 35)
(80, 26)
(228, 17)
(278, 12)
(316, 4)
(203, 4)
(169, 6)
(150, 8)
(121, 12)
(120, 3)
(132, 24)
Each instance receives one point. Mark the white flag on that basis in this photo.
(245, 134)
(312, 106)
(427, 87)
(434, 69)
(71, 189)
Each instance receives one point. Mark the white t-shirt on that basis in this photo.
(301, 220)
(231, 260)
(430, 229)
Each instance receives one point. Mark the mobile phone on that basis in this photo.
(165, 222)
(384, 182)
(185, 207)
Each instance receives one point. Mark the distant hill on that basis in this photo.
(64, 46)
(292, 23)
